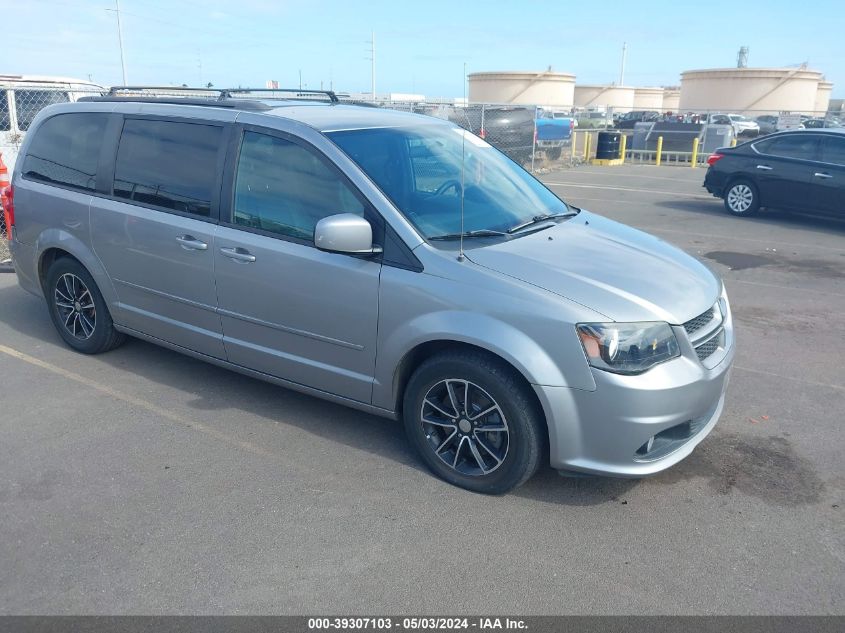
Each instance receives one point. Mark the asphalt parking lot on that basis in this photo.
(142, 481)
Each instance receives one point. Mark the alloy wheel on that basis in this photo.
(75, 306)
(740, 198)
(465, 427)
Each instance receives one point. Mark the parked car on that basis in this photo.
(387, 261)
(740, 125)
(798, 170)
(24, 96)
(817, 123)
(767, 123)
(553, 132)
(628, 120)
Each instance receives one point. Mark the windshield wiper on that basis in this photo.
(466, 234)
(537, 219)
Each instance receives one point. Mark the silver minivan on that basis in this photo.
(391, 262)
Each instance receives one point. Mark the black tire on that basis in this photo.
(742, 198)
(94, 328)
(493, 381)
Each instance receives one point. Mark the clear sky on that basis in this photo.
(421, 46)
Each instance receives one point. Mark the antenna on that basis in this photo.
(463, 158)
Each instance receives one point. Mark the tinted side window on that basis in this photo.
(28, 103)
(5, 122)
(833, 151)
(66, 148)
(284, 188)
(801, 146)
(168, 164)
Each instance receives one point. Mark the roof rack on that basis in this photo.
(218, 93)
(241, 104)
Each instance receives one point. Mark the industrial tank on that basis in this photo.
(823, 97)
(750, 89)
(544, 88)
(648, 99)
(618, 98)
(671, 99)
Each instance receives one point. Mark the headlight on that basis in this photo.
(627, 348)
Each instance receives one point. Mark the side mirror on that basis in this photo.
(345, 233)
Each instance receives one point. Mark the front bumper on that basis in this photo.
(631, 426)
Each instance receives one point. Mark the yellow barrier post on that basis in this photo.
(622, 143)
(694, 162)
(587, 146)
(574, 143)
(659, 155)
(733, 142)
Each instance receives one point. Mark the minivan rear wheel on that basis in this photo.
(78, 310)
(473, 421)
(741, 198)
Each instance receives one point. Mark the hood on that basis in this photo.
(621, 272)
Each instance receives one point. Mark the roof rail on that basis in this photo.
(218, 93)
(300, 92)
(241, 104)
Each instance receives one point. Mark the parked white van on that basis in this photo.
(24, 96)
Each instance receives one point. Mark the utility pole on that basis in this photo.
(465, 83)
(120, 40)
(372, 58)
(373, 62)
(622, 70)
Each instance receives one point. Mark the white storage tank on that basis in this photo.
(543, 88)
(823, 97)
(648, 99)
(750, 90)
(617, 98)
(671, 100)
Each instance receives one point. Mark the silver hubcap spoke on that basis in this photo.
(75, 306)
(465, 427)
(740, 198)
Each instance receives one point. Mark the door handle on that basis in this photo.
(764, 167)
(238, 254)
(190, 243)
(820, 174)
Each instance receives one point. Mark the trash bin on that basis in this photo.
(608, 145)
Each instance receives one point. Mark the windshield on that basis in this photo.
(420, 170)
(736, 117)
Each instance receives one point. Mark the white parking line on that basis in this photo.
(793, 378)
(632, 189)
(143, 404)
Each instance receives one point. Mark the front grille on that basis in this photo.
(707, 349)
(693, 325)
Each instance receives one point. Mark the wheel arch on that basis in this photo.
(428, 349)
(54, 244)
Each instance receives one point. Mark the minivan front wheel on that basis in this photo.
(473, 422)
(78, 310)
(742, 198)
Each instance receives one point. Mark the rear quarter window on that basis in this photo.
(65, 150)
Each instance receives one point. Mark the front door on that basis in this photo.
(289, 309)
(783, 173)
(829, 176)
(155, 236)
